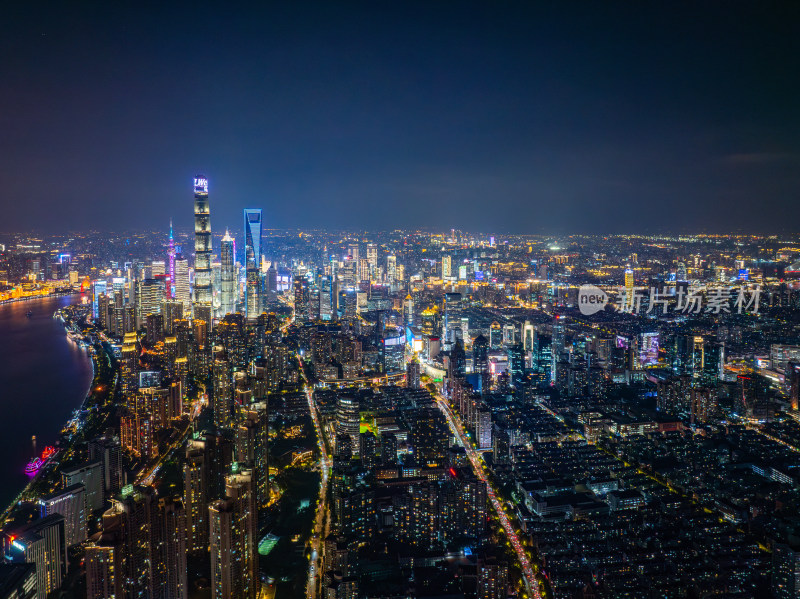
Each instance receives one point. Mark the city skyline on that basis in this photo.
(400, 300)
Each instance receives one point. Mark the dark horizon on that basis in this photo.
(601, 119)
(554, 233)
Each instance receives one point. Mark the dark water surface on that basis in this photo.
(43, 377)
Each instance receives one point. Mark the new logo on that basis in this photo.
(591, 299)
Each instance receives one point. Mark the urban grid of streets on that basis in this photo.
(456, 427)
(528, 576)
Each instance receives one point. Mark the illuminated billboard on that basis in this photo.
(648, 349)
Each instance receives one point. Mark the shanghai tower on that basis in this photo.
(202, 243)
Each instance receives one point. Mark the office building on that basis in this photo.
(108, 451)
(301, 300)
(451, 325)
(42, 543)
(348, 420)
(227, 290)
(71, 504)
(183, 292)
(391, 269)
(252, 251)
(202, 243)
(129, 366)
(171, 252)
(372, 258)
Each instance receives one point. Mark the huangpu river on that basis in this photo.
(43, 377)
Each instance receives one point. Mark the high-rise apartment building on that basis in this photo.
(785, 572)
(197, 491)
(251, 441)
(90, 475)
(232, 522)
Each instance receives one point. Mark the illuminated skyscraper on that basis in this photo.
(251, 441)
(252, 261)
(681, 273)
(71, 504)
(372, 258)
(452, 318)
(408, 310)
(129, 366)
(363, 270)
(447, 267)
(202, 243)
(301, 300)
(629, 282)
(391, 269)
(348, 420)
(183, 292)
(352, 251)
(233, 525)
(171, 263)
(227, 276)
(558, 344)
(326, 298)
(197, 491)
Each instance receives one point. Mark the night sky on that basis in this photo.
(496, 117)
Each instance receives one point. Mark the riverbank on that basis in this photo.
(51, 381)
(29, 298)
